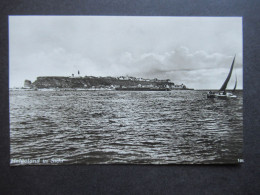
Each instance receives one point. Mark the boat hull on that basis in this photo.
(221, 95)
(226, 96)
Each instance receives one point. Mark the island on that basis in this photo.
(102, 83)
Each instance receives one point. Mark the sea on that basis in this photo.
(124, 127)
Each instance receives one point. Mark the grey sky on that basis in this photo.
(196, 51)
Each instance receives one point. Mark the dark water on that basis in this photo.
(82, 127)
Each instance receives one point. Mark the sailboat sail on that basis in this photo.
(235, 86)
(224, 86)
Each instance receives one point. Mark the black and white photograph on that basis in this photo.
(125, 90)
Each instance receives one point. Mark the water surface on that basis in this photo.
(103, 127)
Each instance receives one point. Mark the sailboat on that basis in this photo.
(222, 94)
(235, 86)
(231, 95)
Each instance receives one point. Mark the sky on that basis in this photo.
(195, 51)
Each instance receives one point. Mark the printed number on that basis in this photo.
(240, 160)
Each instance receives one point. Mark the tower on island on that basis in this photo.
(75, 75)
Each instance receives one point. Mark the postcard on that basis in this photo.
(125, 90)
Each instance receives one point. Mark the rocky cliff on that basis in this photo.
(97, 82)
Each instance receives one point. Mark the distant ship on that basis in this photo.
(222, 94)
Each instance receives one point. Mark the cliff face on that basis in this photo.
(88, 82)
